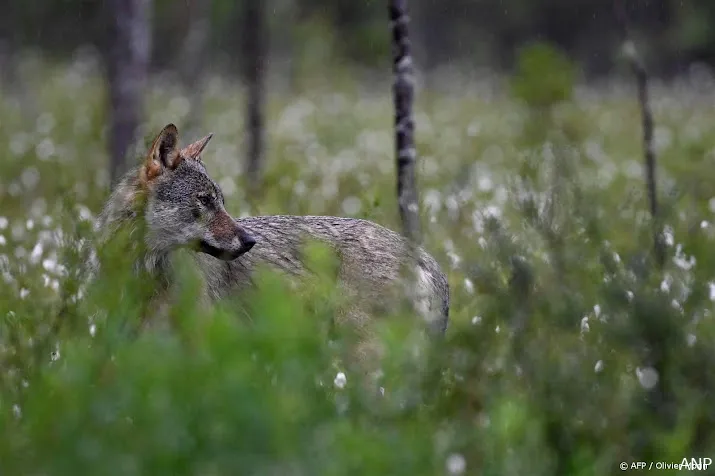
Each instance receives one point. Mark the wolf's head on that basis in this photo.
(185, 207)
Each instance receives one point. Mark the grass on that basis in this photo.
(567, 351)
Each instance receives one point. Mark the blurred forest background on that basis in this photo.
(445, 32)
(572, 347)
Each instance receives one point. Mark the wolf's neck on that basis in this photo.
(125, 211)
(121, 207)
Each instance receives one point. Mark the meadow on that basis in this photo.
(568, 350)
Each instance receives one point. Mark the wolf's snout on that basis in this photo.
(226, 239)
(247, 242)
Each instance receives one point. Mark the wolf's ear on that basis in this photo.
(164, 153)
(193, 151)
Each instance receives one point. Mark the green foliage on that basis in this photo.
(544, 76)
(567, 351)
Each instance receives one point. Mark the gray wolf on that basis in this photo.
(181, 206)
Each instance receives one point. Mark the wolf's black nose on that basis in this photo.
(248, 242)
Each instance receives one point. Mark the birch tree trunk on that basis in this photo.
(403, 97)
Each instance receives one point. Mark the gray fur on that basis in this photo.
(371, 256)
(371, 259)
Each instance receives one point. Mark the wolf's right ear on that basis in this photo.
(163, 154)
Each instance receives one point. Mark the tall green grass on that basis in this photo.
(567, 350)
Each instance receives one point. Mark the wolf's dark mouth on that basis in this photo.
(211, 250)
(204, 247)
(221, 254)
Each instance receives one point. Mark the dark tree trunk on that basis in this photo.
(127, 65)
(657, 339)
(254, 34)
(7, 68)
(193, 60)
(641, 74)
(7, 47)
(403, 96)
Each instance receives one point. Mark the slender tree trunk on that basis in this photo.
(7, 68)
(127, 68)
(193, 60)
(254, 33)
(660, 398)
(403, 96)
(641, 75)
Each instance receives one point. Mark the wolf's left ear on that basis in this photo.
(193, 151)
(164, 153)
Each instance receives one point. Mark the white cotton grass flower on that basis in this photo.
(668, 236)
(456, 464)
(84, 213)
(49, 265)
(341, 380)
(584, 325)
(648, 377)
(665, 284)
(36, 254)
(469, 285)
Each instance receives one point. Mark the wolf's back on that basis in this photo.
(371, 261)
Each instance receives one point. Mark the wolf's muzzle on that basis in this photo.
(228, 254)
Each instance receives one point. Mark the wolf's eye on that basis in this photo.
(205, 199)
